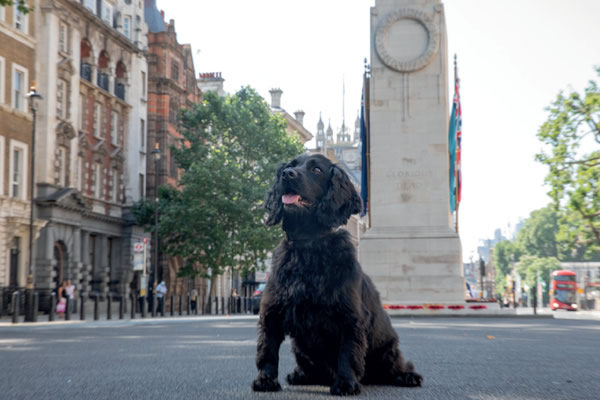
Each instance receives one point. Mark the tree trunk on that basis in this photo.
(211, 293)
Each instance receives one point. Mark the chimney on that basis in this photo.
(162, 14)
(299, 117)
(276, 97)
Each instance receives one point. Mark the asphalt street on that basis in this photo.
(213, 358)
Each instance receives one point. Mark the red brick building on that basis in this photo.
(172, 85)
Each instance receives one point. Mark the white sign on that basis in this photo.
(138, 262)
(138, 247)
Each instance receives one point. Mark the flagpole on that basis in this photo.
(366, 78)
(456, 204)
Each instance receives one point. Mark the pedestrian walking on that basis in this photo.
(62, 296)
(161, 291)
(70, 289)
(194, 299)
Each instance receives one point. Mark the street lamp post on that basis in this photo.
(156, 155)
(33, 96)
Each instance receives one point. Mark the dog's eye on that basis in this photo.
(317, 170)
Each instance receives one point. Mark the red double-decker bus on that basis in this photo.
(564, 291)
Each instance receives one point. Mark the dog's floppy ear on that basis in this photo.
(273, 202)
(340, 201)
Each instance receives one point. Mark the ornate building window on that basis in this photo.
(63, 165)
(121, 80)
(175, 70)
(19, 19)
(86, 55)
(83, 113)
(103, 73)
(61, 99)
(127, 26)
(173, 109)
(64, 135)
(114, 128)
(98, 180)
(19, 82)
(142, 135)
(63, 38)
(17, 169)
(115, 185)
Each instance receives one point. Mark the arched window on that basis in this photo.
(120, 81)
(103, 62)
(85, 69)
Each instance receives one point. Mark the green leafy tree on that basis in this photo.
(22, 5)
(228, 156)
(572, 133)
(538, 235)
(504, 255)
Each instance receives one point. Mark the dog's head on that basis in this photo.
(312, 187)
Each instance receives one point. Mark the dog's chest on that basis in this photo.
(308, 293)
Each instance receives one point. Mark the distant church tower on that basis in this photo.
(321, 135)
(356, 136)
(329, 134)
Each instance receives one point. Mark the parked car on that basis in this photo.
(257, 296)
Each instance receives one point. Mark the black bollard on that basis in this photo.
(121, 307)
(52, 313)
(203, 304)
(132, 315)
(109, 306)
(216, 305)
(188, 305)
(36, 304)
(68, 310)
(96, 310)
(82, 306)
(180, 304)
(222, 305)
(154, 304)
(15, 301)
(143, 300)
(172, 306)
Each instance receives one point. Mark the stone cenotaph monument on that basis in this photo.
(412, 251)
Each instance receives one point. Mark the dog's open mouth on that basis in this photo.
(294, 199)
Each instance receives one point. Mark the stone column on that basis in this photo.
(411, 251)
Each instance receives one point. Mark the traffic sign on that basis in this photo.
(138, 247)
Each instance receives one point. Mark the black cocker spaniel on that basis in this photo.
(318, 293)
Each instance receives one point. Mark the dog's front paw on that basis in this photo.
(409, 379)
(266, 384)
(345, 387)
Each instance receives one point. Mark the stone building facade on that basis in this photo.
(92, 71)
(17, 74)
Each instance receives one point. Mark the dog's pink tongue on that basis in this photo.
(290, 198)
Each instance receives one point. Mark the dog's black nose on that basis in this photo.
(288, 174)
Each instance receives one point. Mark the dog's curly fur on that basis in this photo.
(317, 292)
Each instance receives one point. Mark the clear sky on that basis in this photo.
(514, 56)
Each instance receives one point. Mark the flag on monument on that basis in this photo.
(454, 139)
(364, 184)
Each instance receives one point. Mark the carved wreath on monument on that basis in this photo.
(396, 20)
